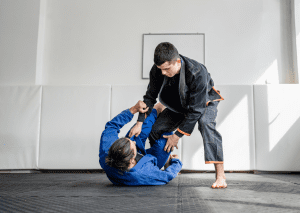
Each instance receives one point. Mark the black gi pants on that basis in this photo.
(169, 121)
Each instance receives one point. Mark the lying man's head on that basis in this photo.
(121, 154)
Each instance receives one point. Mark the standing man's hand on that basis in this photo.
(171, 143)
(141, 107)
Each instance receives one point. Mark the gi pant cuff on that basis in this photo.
(210, 162)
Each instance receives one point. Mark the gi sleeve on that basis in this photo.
(197, 104)
(174, 168)
(159, 177)
(155, 83)
(112, 129)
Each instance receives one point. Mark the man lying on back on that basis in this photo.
(126, 161)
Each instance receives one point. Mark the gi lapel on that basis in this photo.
(139, 144)
(182, 84)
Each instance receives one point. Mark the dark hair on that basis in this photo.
(165, 51)
(119, 154)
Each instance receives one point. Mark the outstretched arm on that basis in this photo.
(155, 83)
(112, 128)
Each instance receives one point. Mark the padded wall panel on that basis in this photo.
(277, 124)
(235, 122)
(20, 108)
(72, 120)
(124, 97)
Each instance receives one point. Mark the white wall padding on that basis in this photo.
(20, 108)
(277, 124)
(124, 97)
(72, 120)
(235, 122)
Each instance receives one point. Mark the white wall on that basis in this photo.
(99, 42)
(77, 42)
(19, 21)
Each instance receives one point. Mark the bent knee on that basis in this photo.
(159, 108)
(204, 121)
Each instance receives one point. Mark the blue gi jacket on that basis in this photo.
(147, 170)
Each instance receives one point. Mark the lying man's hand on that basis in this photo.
(141, 107)
(136, 130)
(171, 143)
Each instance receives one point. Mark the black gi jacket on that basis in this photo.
(196, 90)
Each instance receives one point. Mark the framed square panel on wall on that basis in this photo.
(191, 45)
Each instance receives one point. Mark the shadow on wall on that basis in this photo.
(236, 124)
(277, 120)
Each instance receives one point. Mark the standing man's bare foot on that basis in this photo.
(220, 177)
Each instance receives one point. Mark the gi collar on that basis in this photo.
(182, 83)
(139, 144)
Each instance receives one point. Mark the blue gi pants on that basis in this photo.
(169, 120)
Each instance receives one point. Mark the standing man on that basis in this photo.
(185, 87)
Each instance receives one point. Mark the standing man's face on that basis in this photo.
(170, 69)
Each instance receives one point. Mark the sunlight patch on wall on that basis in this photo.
(236, 115)
(235, 130)
(271, 75)
(283, 113)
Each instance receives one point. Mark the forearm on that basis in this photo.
(120, 120)
(112, 129)
(143, 116)
(149, 100)
(155, 83)
(133, 110)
